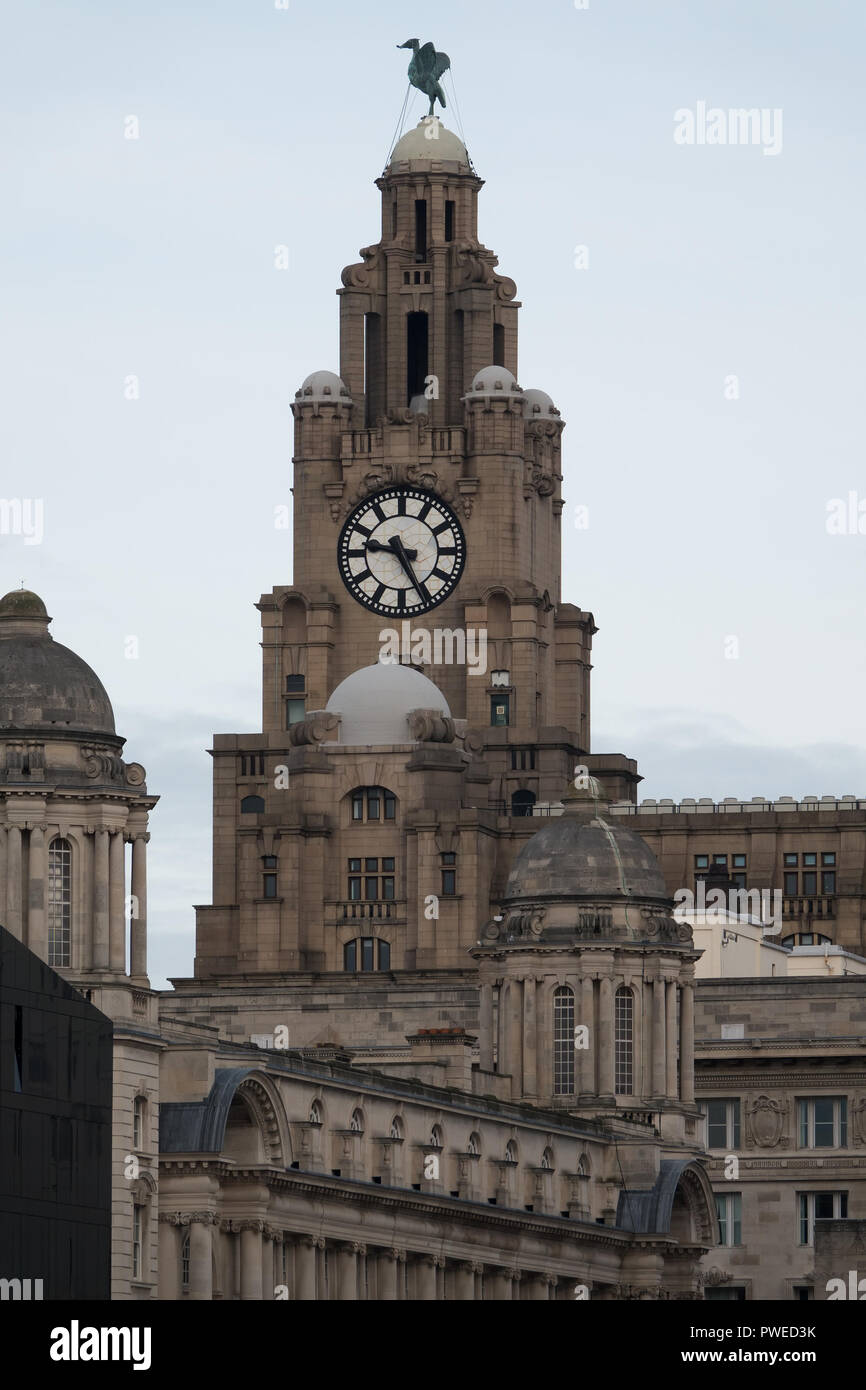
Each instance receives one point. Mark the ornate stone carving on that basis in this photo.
(765, 1120)
(526, 923)
(858, 1111)
(360, 276)
(429, 726)
(135, 775)
(102, 762)
(319, 726)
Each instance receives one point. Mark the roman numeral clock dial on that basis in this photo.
(401, 552)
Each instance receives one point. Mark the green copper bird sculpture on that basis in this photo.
(425, 69)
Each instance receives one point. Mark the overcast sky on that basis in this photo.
(706, 352)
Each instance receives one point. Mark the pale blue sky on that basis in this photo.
(261, 127)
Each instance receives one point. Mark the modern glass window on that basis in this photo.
(729, 1207)
(722, 1123)
(563, 1041)
(373, 804)
(819, 1206)
(139, 1107)
(624, 1042)
(499, 711)
(59, 902)
(823, 1122)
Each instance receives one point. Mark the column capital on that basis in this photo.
(397, 1254)
(189, 1218)
(437, 1261)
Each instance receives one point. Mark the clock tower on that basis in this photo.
(425, 687)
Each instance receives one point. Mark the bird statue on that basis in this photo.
(425, 69)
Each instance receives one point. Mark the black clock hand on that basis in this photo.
(374, 545)
(403, 556)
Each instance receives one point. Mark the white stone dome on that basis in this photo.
(430, 140)
(323, 386)
(374, 703)
(494, 381)
(539, 403)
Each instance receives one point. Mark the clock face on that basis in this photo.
(401, 552)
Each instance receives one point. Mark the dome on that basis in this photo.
(494, 381)
(375, 701)
(44, 685)
(538, 403)
(430, 140)
(581, 854)
(323, 386)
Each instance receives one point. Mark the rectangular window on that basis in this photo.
(729, 1206)
(420, 229)
(738, 880)
(270, 885)
(449, 883)
(390, 806)
(720, 859)
(449, 220)
(820, 1206)
(295, 712)
(18, 1075)
(371, 866)
(354, 890)
(388, 888)
(371, 889)
(810, 882)
(384, 955)
(702, 861)
(739, 861)
(828, 881)
(350, 955)
(828, 860)
(623, 1042)
(373, 803)
(295, 685)
(358, 806)
(809, 861)
(791, 861)
(823, 1122)
(499, 708)
(136, 1241)
(722, 1124)
(387, 866)
(791, 885)
(367, 946)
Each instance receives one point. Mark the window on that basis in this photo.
(499, 711)
(727, 1293)
(376, 887)
(722, 1123)
(806, 938)
(624, 1042)
(809, 861)
(252, 764)
(563, 1041)
(523, 760)
(296, 711)
(739, 861)
(416, 355)
(474, 1145)
(721, 859)
(59, 902)
(449, 874)
(828, 882)
(356, 1124)
(184, 1262)
(820, 1206)
(823, 1122)
(420, 229)
(449, 220)
(828, 860)
(790, 861)
(702, 861)
(139, 1109)
(295, 685)
(791, 881)
(373, 804)
(522, 803)
(137, 1227)
(269, 876)
(498, 345)
(363, 952)
(252, 806)
(317, 1114)
(810, 882)
(729, 1207)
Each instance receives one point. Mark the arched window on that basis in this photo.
(563, 1041)
(624, 1042)
(511, 1151)
(474, 1145)
(547, 1160)
(373, 804)
(436, 1137)
(367, 953)
(252, 806)
(317, 1114)
(396, 1128)
(139, 1111)
(59, 902)
(356, 1124)
(184, 1262)
(522, 803)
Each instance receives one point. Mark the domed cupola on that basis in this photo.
(43, 685)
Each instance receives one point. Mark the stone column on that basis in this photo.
(585, 1014)
(671, 1038)
(386, 1269)
(515, 1037)
(486, 1028)
(116, 903)
(305, 1268)
(503, 1063)
(497, 1285)
(169, 1259)
(530, 1034)
(605, 1038)
(347, 1271)
(537, 1285)
(251, 1260)
(13, 921)
(658, 1037)
(687, 1043)
(425, 1276)
(200, 1249)
(37, 929)
(138, 925)
(100, 902)
(464, 1280)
